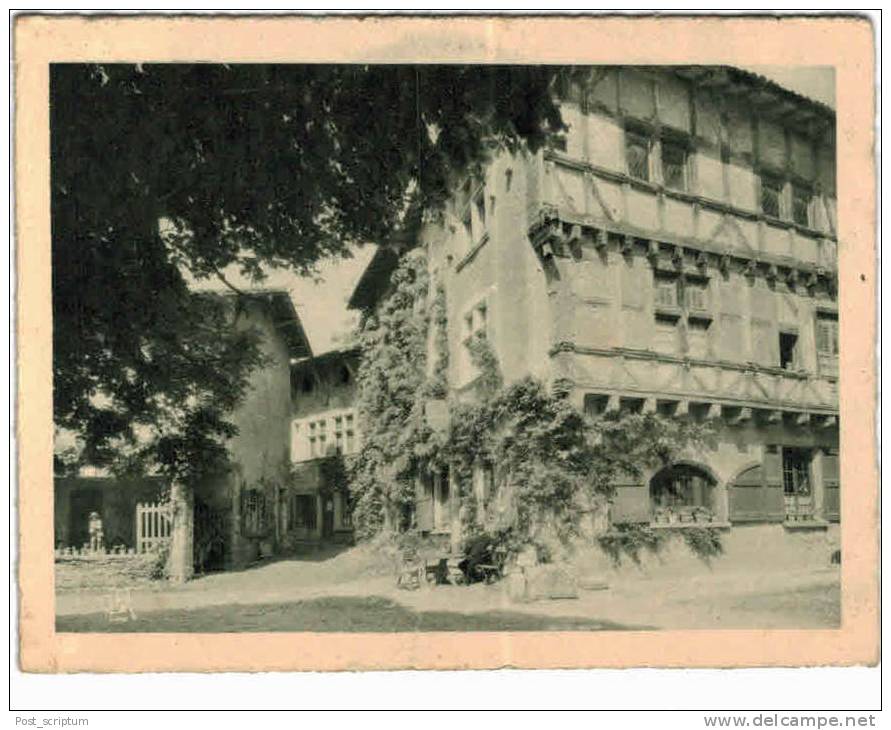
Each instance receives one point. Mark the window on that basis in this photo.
(826, 337)
(667, 292)
(801, 203)
(339, 434)
(695, 296)
(686, 292)
(788, 350)
(682, 299)
(344, 433)
(637, 155)
(796, 471)
(350, 441)
(475, 327)
(674, 165)
(771, 194)
(471, 209)
(302, 512)
(346, 512)
(310, 439)
(253, 513)
(681, 490)
(318, 438)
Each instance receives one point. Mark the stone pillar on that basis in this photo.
(180, 566)
(721, 501)
(320, 515)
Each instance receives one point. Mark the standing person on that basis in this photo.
(96, 534)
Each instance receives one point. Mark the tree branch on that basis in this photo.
(219, 275)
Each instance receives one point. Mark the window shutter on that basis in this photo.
(827, 336)
(774, 500)
(831, 486)
(631, 501)
(830, 466)
(822, 338)
(747, 496)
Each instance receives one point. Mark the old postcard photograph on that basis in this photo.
(445, 343)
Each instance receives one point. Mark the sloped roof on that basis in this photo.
(761, 90)
(374, 279)
(330, 356)
(284, 316)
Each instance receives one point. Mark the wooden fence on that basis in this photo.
(153, 526)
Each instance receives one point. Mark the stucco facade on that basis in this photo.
(676, 255)
(324, 433)
(243, 503)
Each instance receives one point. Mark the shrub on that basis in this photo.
(630, 540)
(160, 569)
(705, 542)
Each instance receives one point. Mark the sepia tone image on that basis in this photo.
(401, 348)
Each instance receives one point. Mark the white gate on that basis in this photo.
(153, 526)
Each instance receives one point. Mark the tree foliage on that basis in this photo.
(158, 170)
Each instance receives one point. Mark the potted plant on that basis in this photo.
(702, 514)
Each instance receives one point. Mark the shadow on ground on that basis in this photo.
(335, 614)
(303, 554)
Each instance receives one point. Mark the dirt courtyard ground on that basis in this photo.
(349, 591)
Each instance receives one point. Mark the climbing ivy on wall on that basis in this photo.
(555, 462)
(391, 381)
(551, 462)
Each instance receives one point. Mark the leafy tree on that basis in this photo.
(159, 170)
